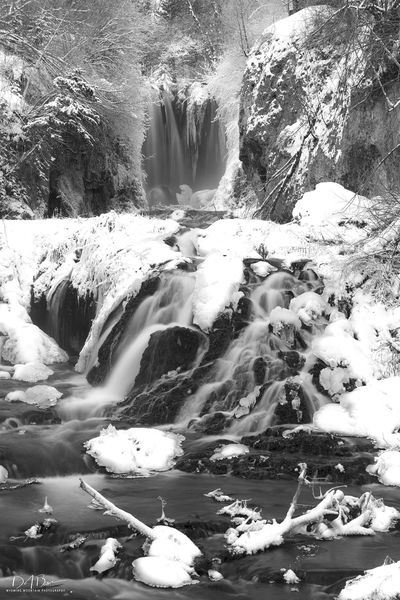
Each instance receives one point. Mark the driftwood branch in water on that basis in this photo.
(132, 521)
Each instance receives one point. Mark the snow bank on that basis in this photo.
(370, 411)
(381, 583)
(387, 468)
(330, 203)
(136, 450)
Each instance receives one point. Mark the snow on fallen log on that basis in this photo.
(107, 559)
(170, 553)
(334, 516)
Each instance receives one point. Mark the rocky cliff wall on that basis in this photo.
(310, 113)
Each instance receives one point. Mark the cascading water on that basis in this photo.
(252, 363)
(185, 144)
(170, 306)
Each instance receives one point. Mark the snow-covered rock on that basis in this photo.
(107, 559)
(32, 372)
(308, 307)
(262, 268)
(330, 203)
(368, 411)
(3, 474)
(229, 451)
(136, 450)
(217, 285)
(5, 375)
(387, 467)
(157, 571)
(342, 353)
(381, 583)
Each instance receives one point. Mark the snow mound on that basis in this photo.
(5, 375)
(157, 571)
(229, 451)
(386, 468)
(308, 307)
(172, 544)
(330, 204)
(32, 372)
(136, 450)
(381, 583)
(370, 411)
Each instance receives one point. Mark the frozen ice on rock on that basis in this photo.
(160, 572)
(262, 268)
(279, 317)
(135, 450)
(229, 451)
(32, 372)
(387, 468)
(43, 396)
(381, 583)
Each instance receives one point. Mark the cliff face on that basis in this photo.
(59, 156)
(309, 114)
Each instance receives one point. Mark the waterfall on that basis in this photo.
(252, 361)
(171, 305)
(184, 144)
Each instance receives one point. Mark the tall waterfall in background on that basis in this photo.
(185, 143)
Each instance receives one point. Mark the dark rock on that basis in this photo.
(67, 319)
(294, 407)
(168, 350)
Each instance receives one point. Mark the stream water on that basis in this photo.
(48, 445)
